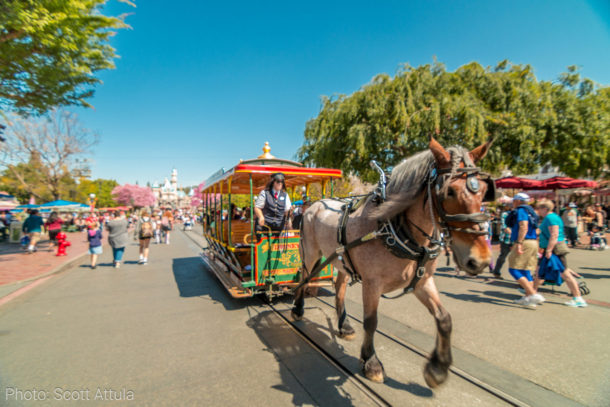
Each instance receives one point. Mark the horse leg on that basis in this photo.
(371, 366)
(437, 368)
(345, 329)
(299, 304)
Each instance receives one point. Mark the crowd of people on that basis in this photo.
(146, 227)
(536, 243)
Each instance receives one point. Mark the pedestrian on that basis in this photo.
(94, 236)
(117, 237)
(486, 227)
(144, 232)
(4, 226)
(53, 227)
(157, 229)
(167, 223)
(570, 219)
(33, 228)
(552, 241)
(505, 244)
(523, 257)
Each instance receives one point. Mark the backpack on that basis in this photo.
(146, 230)
(511, 218)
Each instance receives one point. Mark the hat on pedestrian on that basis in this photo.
(522, 196)
(572, 205)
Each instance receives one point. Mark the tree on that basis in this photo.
(50, 146)
(51, 50)
(133, 195)
(533, 122)
(196, 200)
(102, 188)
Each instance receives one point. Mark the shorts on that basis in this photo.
(517, 274)
(144, 243)
(526, 261)
(34, 238)
(53, 234)
(95, 250)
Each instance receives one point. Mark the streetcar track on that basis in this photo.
(362, 384)
(455, 370)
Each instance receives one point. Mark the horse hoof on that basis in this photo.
(296, 316)
(434, 375)
(348, 336)
(347, 332)
(373, 370)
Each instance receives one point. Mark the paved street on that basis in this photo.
(168, 333)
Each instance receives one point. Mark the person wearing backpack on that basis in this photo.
(144, 232)
(523, 257)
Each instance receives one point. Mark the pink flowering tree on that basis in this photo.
(133, 195)
(196, 200)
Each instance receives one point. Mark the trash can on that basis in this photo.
(15, 232)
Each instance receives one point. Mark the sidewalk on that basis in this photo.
(17, 266)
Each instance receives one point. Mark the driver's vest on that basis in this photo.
(273, 211)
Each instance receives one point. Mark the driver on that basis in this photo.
(272, 205)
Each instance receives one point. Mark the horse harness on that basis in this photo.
(395, 234)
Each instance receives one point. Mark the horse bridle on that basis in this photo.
(439, 181)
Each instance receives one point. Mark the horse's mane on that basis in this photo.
(408, 180)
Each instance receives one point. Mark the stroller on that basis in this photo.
(188, 224)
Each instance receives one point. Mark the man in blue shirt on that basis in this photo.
(33, 227)
(523, 257)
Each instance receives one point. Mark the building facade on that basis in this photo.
(170, 195)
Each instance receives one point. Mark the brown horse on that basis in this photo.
(432, 191)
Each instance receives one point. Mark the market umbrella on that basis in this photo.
(567, 183)
(518, 183)
(28, 206)
(61, 204)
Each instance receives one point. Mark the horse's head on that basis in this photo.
(459, 192)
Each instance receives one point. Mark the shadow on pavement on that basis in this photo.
(593, 276)
(490, 297)
(194, 280)
(301, 367)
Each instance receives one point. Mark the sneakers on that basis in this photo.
(117, 265)
(576, 302)
(539, 299)
(527, 301)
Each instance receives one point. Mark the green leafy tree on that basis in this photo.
(50, 52)
(102, 188)
(532, 122)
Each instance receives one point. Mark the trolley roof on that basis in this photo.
(260, 169)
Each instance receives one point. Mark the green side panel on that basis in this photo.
(278, 260)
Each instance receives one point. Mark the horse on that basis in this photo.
(432, 197)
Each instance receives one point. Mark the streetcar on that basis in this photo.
(245, 261)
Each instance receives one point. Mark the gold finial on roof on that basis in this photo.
(266, 150)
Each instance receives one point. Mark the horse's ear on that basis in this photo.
(442, 156)
(481, 150)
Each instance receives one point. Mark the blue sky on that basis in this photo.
(200, 85)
